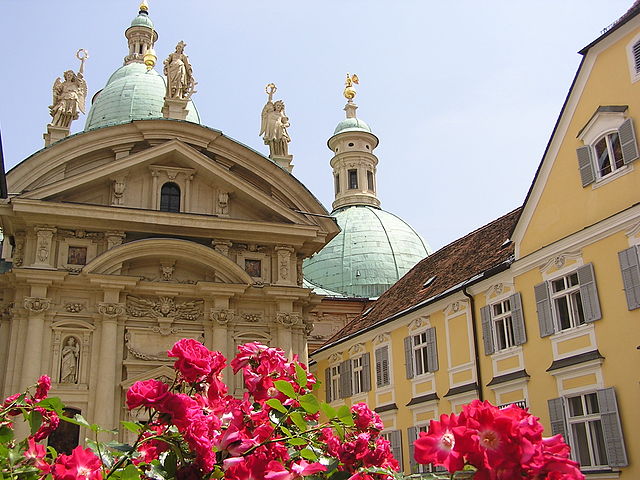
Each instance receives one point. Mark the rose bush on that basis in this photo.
(195, 430)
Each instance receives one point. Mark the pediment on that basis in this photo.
(207, 186)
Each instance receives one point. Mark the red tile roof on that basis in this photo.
(470, 256)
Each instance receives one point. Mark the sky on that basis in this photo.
(463, 95)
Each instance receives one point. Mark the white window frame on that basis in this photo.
(357, 380)
(587, 419)
(335, 382)
(615, 170)
(419, 354)
(506, 319)
(634, 67)
(572, 293)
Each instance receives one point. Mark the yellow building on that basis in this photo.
(540, 307)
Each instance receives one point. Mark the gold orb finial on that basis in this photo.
(144, 6)
(350, 92)
(150, 58)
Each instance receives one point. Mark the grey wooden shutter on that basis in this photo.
(396, 446)
(408, 356)
(628, 141)
(327, 384)
(611, 428)
(432, 349)
(382, 366)
(487, 330)
(589, 293)
(630, 268)
(366, 372)
(412, 434)
(558, 419)
(585, 164)
(345, 379)
(543, 307)
(517, 319)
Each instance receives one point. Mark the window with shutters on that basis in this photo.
(586, 430)
(413, 434)
(394, 437)
(568, 301)
(503, 324)
(421, 353)
(633, 57)
(590, 422)
(609, 154)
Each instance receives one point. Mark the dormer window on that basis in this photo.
(170, 197)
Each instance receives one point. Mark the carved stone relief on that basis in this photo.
(37, 304)
(164, 307)
(251, 317)
(18, 251)
(119, 186)
(73, 307)
(111, 309)
(222, 316)
(221, 246)
(288, 319)
(223, 203)
(356, 349)
(114, 239)
(44, 237)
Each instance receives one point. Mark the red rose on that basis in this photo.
(194, 360)
(148, 393)
(82, 463)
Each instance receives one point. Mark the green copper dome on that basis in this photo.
(352, 124)
(374, 249)
(132, 93)
(142, 20)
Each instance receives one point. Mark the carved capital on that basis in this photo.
(110, 310)
(37, 304)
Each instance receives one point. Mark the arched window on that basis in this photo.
(170, 198)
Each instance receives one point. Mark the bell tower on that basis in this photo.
(141, 36)
(354, 164)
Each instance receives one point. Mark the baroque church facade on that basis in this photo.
(145, 228)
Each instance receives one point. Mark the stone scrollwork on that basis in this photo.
(155, 357)
(37, 304)
(251, 317)
(111, 310)
(18, 251)
(356, 349)
(222, 316)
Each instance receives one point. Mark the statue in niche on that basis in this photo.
(274, 125)
(180, 81)
(69, 95)
(69, 362)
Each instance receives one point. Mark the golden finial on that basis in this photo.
(144, 6)
(350, 92)
(150, 58)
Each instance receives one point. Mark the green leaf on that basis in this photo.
(345, 416)
(301, 376)
(286, 388)
(286, 431)
(171, 464)
(299, 421)
(297, 441)
(328, 410)
(121, 447)
(52, 403)
(6, 434)
(309, 403)
(339, 475)
(35, 420)
(277, 404)
(81, 420)
(308, 454)
(130, 473)
(132, 426)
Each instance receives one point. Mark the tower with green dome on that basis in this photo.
(374, 248)
(134, 91)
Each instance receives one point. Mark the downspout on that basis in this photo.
(472, 305)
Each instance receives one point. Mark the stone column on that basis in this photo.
(44, 240)
(105, 408)
(31, 366)
(285, 322)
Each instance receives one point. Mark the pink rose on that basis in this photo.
(149, 393)
(194, 360)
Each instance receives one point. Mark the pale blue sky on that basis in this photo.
(463, 95)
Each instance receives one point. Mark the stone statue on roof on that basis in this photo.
(273, 128)
(180, 81)
(69, 95)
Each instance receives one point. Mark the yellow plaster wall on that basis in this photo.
(565, 206)
(459, 340)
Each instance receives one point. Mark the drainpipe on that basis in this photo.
(472, 305)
